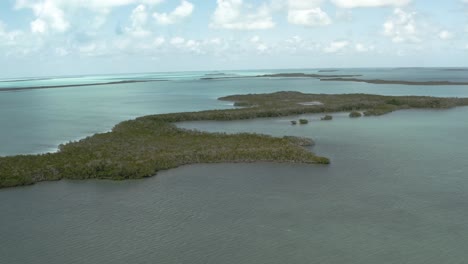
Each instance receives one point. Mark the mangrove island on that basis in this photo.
(141, 147)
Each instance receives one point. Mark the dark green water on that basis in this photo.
(396, 192)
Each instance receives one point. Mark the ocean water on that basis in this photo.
(396, 191)
(36, 121)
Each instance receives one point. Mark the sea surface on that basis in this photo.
(396, 191)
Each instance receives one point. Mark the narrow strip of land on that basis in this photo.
(378, 81)
(283, 75)
(141, 147)
(339, 78)
(77, 85)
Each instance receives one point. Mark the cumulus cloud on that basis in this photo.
(139, 19)
(8, 37)
(94, 49)
(212, 46)
(235, 14)
(184, 10)
(94, 5)
(402, 27)
(38, 26)
(369, 3)
(159, 41)
(307, 13)
(336, 46)
(176, 41)
(53, 15)
(297, 44)
(48, 17)
(445, 35)
(359, 47)
(258, 44)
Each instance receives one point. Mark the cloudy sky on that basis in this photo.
(67, 37)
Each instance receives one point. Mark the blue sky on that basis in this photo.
(68, 37)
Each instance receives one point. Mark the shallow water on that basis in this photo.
(396, 191)
(36, 121)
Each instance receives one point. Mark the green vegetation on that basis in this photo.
(294, 122)
(242, 104)
(141, 147)
(355, 114)
(327, 118)
(377, 81)
(303, 121)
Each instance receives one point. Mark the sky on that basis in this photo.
(73, 37)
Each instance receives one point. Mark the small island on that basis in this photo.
(355, 114)
(401, 82)
(141, 147)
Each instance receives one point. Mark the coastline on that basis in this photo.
(321, 77)
(141, 147)
(77, 85)
(378, 81)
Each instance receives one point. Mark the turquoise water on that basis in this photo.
(36, 121)
(396, 191)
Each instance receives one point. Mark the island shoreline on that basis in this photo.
(141, 147)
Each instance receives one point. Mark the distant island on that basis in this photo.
(223, 76)
(338, 78)
(141, 147)
(283, 75)
(377, 81)
(76, 85)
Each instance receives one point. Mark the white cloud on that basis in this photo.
(93, 49)
(48, 16)
(234, 14)
(8, 37)
(193, 46)
(177, 41)
(402, 27)
(184, 10)
(363, 48)
(54, 15)
(336, 46)
(445, 35)
(38, 26)
(262, 48)
(94, 5)
(139, 19)
(61, 51)
(297, 44)
(259, 45)
(207, 46)
(255, 39)
(369, 3)
(307, 13)
(159, 41)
